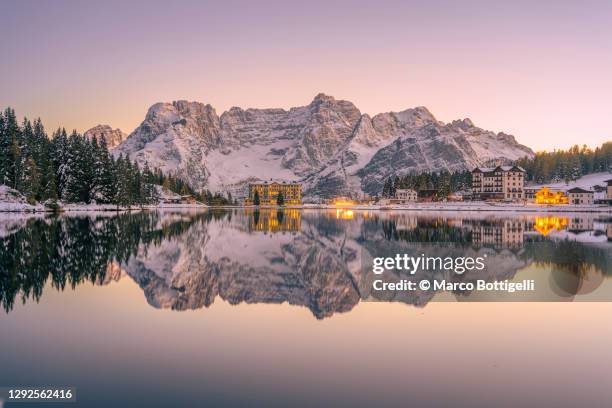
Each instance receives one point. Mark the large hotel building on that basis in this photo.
(498, 183)
(269, 191)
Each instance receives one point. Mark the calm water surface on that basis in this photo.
(275, 308)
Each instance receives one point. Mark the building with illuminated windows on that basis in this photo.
(498, 183)
(269, 193)
(548, 196)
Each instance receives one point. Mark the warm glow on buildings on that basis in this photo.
(269, 192)
(545, 196)
(343, 202)
(273, 220)
(343, 214)
(545, 225)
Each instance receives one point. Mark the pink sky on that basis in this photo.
(540, 72)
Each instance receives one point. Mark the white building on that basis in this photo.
(402, 196)
(498, 183)
(405, 195)
(579, 195)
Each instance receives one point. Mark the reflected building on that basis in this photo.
(271, 220)
(404, 222)
(580, 224)
(344, 214)
(545, 225)
(499, 233)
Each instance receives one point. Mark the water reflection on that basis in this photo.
(317, 259)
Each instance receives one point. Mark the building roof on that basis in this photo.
(578, 190)
(268, 182)
(483, 169)
(503, 168)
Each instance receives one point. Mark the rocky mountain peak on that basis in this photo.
(321, 97)
(113, 137)
(463, 124)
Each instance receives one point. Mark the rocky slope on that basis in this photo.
(328, 145)
(113, 137)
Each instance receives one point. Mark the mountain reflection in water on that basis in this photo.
(314, 258)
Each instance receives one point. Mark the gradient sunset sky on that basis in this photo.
(542, 72)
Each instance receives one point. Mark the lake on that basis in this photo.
(274, 307)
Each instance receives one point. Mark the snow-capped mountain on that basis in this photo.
(113, 137)
(328, 145)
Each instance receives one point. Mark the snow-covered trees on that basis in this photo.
(569, 164)
(70, 168)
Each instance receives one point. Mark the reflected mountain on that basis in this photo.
(314, 258)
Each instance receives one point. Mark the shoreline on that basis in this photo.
(446, 207)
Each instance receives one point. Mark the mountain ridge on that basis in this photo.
(328, 145)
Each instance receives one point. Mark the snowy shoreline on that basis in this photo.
(447, 207)
(38, 208)
(497, 207)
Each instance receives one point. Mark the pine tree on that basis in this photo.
(86, 158)
(30, 180)
(184, 190)
(137, 185)
(59, 153)
(104, 175)
(76, 180)
(256, 200)
(13, 171)
(396, 186)
(123, 197)
(3, 148)
(444, 184)
(387, 188)
(149, 192)
(49, 191)
(9, 145)
(42, 157)
(280, 199)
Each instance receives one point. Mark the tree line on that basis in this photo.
(444, 182)
(544, 167)
(67, 251)
(567, 165)
(70, 168)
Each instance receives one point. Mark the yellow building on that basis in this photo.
(269, 192)
(545, 196)
(274, 220)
